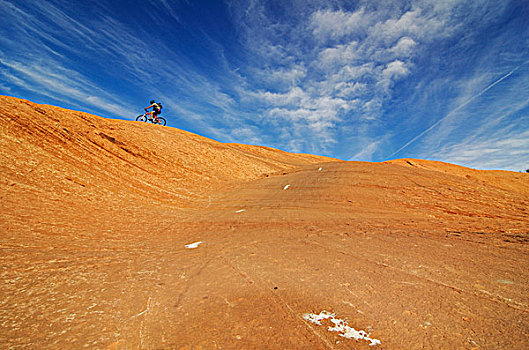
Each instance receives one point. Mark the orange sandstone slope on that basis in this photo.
(508, 180)
(97, 216)
(52, 152)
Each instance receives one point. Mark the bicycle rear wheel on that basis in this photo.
(162, 121)
(141, 118)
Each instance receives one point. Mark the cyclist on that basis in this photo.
(155, 109)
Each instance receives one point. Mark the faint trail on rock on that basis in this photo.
(188, 283)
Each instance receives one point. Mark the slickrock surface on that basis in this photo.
(124, 235)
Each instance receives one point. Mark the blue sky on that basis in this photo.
(357, 80)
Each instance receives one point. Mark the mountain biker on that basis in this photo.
(155, 109)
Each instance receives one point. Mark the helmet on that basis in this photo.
(152, 101)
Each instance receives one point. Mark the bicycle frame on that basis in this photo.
(153, 116)
(148, 116)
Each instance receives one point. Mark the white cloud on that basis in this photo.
(249, 134)
(354, 73)
(404, 47)
(371, 109)
(349, 90)
(372, 54)
(492, 103)
(167, 8)
(63, 85)
(422, 24)
(328, 24)
(508, 151)
(294, 97)
(4, 88)
(395, 69)
(391, 73)
(340, 66)
(306, 68)
(46, 43)
(488, 128)
(339, 55)
(322, 67)
(293, 115)
(281, 76)
(366, 154)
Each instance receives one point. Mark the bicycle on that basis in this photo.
(149, 117)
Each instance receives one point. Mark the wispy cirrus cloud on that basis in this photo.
(61, 84)
(103, 63)
(489, 129)
(355, 61)
(367, 79)
(348, 62)
(506, 149)
(36, 58)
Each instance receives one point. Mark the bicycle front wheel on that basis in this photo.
(141, 118)
(162, 121)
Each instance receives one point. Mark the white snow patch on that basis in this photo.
(316, 319)
(340, 326)
(286, 187)
(193, 245)
(320, 169)
(240, 211)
